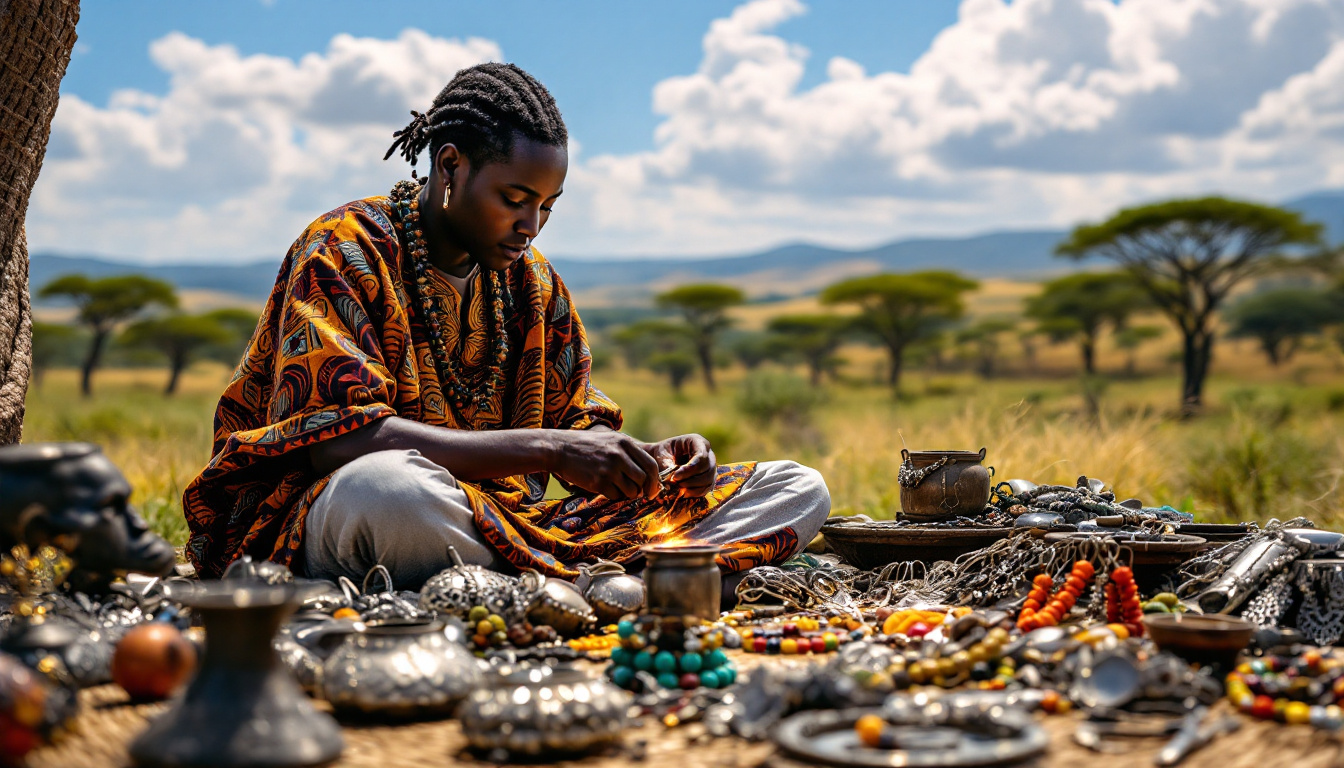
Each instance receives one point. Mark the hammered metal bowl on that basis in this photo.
(456, 590)
(400, 669)
(552, 710)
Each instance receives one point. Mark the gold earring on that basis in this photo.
(447, 193)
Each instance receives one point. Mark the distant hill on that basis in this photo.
(252, 280)
(1326, 207)
(789, 270)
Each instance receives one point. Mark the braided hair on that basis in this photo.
(480, 111)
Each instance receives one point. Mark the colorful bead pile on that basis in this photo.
(596, 644)
(912, 623)
(799, 636)
(1122, 601)
(668, 650)
(1303, 690)
(491, 631)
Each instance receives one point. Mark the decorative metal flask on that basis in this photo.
(243, 708)
(683, 580)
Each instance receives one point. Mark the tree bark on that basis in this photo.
(1089, 348)
(36, 38)
(176, 364)
(91, 360)
(705, 350)
(1196, 354)
(897, 353)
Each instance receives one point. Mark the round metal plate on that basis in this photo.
(828, 738)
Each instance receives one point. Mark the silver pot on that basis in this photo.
(611, 591)
(538, 709)
(400, 668)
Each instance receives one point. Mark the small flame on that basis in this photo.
(681, 540)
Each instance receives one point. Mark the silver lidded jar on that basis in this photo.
(400, 669)
(683, 580)
(535, 709)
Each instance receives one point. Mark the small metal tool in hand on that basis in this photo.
(666, 473)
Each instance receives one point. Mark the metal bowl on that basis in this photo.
(535, 710)
(1204, 639)
(1154, 559)
(873, 545)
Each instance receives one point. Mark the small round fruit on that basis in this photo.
(153, 660)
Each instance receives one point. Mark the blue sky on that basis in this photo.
(572, 47)
(208, 130)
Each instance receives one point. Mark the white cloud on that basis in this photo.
(1038, 112)
(241, 152)
(1030, 113)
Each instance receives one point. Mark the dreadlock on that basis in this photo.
(480, 111)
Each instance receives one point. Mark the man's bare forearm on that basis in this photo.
(468, 455)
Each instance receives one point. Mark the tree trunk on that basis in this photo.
(36, 37)
(897, 353)
(176, 363)
(1196, 353)
(705, 349)
(1271, 350)
(1089, 349)
(91, 361)
(815, 367)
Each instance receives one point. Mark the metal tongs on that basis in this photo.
(1196, 731)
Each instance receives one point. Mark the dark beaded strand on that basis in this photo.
(405, 204)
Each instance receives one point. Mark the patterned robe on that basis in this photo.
(339, 346)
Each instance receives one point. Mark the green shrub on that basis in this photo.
(1334, 400)
(722, 438)
(768, 397)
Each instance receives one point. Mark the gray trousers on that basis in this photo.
(402, 510)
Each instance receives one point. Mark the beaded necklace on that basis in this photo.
(405, 203)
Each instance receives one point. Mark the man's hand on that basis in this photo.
(694, 462)
(609, 463)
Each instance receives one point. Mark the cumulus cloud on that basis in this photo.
(1035, 112)
(241, 152)
(1029, 113)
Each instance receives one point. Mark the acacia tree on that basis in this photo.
(984, 337)
(1130, 338)
(36, 38)
(179, 338)
(661, 347)
(1279, 318)
(105, 303)
(1079, 306)
(812, 337)
(901, 309)
(753, 349)
(705, 309)
(1188, 255)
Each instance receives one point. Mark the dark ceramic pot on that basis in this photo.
(73, 497)
(943, 484)
(243, 708)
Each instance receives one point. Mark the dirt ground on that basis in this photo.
(109, 723)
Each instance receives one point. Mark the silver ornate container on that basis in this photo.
(559, 605)
(537, 709)
(400, 668)
(454, 591)
(611, 591)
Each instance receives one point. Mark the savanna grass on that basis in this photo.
(1263, 448)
